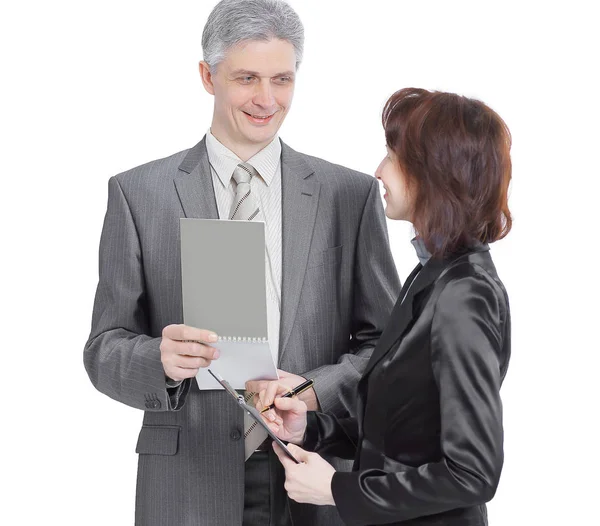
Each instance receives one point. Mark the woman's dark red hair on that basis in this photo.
(455, 155)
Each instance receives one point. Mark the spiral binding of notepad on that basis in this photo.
(242, 339)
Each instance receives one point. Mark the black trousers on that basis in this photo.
(265, 500)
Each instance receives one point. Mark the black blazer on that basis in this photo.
(427, 439)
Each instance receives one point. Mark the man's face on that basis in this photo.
(253, 88)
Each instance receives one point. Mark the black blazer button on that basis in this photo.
(235, 434)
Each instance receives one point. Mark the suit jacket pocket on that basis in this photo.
(329, 256)
(158, 440)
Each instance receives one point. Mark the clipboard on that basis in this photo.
(252, 412)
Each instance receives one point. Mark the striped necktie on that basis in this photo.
(245, 208)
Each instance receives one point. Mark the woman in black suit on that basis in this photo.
(427, 439)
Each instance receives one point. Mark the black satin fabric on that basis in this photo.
(427, 441)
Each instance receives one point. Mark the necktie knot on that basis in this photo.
(243, 173)
(244, 205)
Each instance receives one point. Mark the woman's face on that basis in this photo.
(399, 203)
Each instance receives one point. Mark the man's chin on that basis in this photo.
(263, 137)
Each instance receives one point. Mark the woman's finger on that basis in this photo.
(291, 404)
(286, 461)
(271, 392)
(299, 453)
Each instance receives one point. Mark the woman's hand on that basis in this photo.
(310, 481)
(309, 397)
(288, 419)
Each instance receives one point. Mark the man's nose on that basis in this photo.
(264, 94)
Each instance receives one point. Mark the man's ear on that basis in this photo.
(206, 77)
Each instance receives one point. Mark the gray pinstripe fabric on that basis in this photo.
(338, 288)
(262, 507)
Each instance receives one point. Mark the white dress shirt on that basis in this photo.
(266, 189)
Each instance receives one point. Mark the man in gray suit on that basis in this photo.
(331, 282)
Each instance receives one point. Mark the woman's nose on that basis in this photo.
(378, 171)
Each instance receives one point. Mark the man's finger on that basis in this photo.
(186, 333)
(197, 349)
(191, 362)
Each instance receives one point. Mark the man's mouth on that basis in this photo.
(259, 119)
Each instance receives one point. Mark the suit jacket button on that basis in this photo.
(153, 404)
(235, 434)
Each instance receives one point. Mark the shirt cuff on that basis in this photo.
(173, 383)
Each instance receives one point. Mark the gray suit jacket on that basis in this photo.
(339, 285)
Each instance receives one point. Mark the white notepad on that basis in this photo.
(224, 290)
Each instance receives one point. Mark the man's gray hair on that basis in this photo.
(234, 21)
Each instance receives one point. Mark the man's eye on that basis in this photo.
(283, 80)
(246, 80)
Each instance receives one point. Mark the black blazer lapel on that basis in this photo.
(402, 314)
(385, 342)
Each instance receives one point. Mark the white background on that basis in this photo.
(91, 89)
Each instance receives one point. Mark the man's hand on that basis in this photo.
(309, 397)
(310, 481)
(184, 349)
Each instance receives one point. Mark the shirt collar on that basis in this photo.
(224, 161)
(422, 252)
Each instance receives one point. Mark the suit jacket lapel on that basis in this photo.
(194, 184)
(299, 202)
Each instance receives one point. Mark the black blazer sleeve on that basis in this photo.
(466, 347)
(330, 435)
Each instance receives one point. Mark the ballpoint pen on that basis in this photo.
(293, 392)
